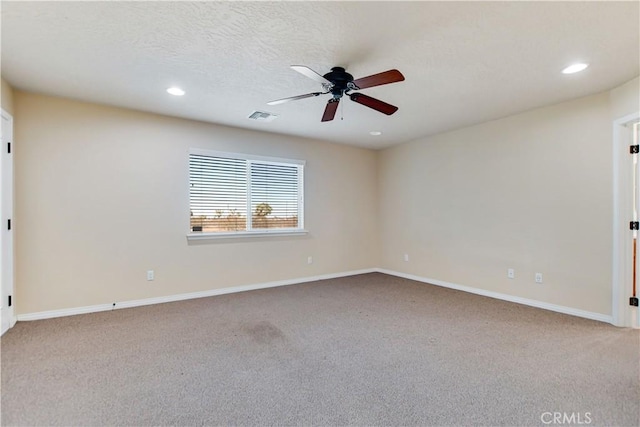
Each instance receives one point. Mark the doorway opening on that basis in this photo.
(626, 207)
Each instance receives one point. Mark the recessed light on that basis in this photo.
(575, 68)
(175, 91)
(375, 133)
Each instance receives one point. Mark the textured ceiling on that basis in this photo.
(464, 62)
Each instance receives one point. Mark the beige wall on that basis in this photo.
(625, 99)
(531, 192)
(102, 196)
(7, 96)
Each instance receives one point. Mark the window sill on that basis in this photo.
(244, 234)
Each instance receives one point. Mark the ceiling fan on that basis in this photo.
(338, 83)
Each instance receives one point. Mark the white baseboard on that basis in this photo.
(180, 297)
(222, 291)
(530, 302)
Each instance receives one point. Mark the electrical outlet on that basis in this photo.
(309, 260)
(538, 277)
(511, 273)
(150, 275)
(406, 257)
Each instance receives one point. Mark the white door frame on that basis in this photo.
(622, 313)
(7, 314)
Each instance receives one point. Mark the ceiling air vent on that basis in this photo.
(262, 116)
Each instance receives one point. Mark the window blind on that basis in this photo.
(234, 194)
(274, 195)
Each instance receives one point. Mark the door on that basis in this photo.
(6, 215)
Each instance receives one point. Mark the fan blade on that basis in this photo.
(383, 78)
(311, 74)
(330, 109)
(294, 98)
(376, 104)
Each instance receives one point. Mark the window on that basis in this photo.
(237, 194)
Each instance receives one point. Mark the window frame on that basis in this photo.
(249, 158)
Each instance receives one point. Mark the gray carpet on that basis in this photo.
(363, 350)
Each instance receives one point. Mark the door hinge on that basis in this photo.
(634, 149)
(8, 148)
(8, 224)
(633, 301)
(9, 302)
(634, 225)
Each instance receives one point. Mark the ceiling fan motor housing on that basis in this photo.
(340, 80)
